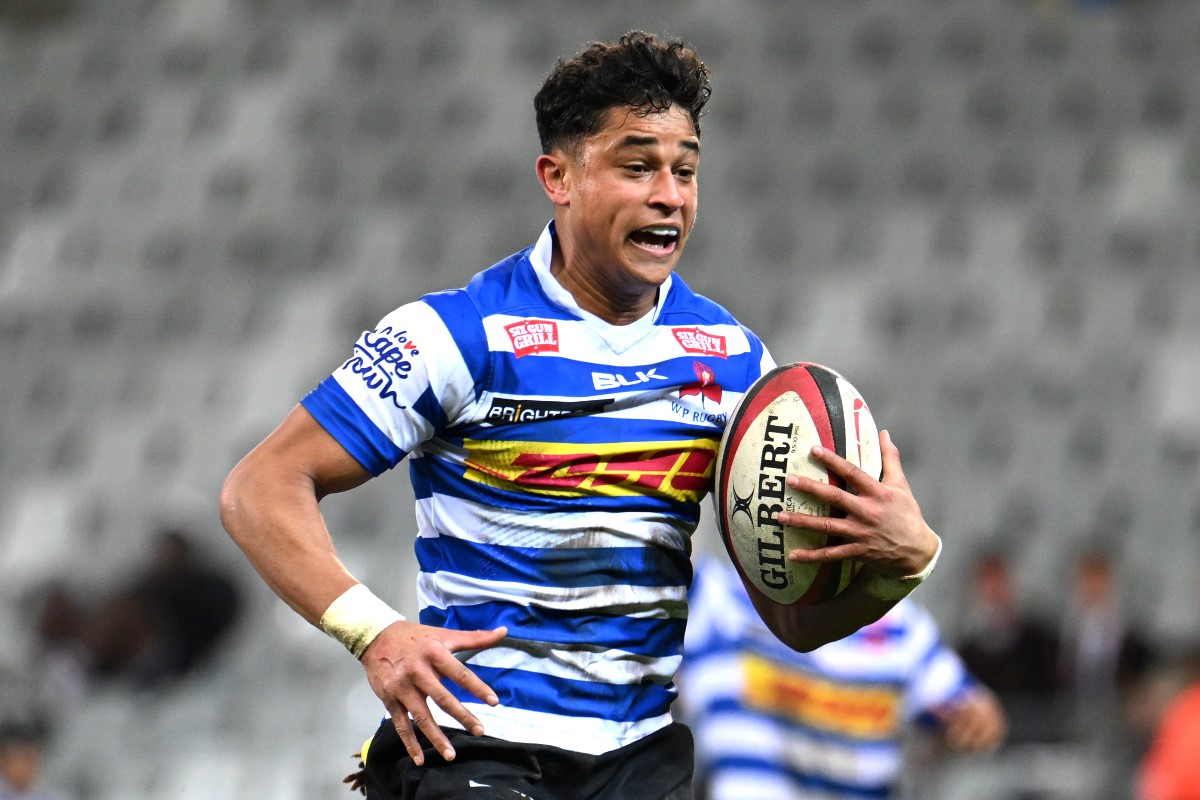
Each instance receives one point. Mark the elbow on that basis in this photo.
(802, 645)
(230, 502)
(794, 636)
(801, 628)
(800, 633)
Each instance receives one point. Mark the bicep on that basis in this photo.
(269, 506)
(301, 449)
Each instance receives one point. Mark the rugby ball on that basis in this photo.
(770, 435)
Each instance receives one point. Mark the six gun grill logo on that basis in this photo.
(533, 336)
(694, 340)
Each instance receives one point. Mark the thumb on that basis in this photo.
(474, 640)
(892, 471)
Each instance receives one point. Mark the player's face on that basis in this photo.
(630, 202)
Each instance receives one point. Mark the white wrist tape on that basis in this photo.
(889, 588)
(356, 617)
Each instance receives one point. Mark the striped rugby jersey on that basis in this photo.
(825, 725)
(558, 463)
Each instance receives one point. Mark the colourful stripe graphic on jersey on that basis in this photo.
(858, 712)
(677, 470)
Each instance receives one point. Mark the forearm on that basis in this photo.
(871, 594)
(805, 628)
(274, 517)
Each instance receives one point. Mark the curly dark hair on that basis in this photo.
(639, 71)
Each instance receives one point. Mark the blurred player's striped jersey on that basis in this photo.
(558, 463)
(772, 722)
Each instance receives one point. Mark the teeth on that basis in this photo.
(663, 231)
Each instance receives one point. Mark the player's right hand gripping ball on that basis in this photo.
(770, 435)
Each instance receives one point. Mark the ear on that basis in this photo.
(554, 173)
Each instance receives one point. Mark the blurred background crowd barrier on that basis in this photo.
(984, 213)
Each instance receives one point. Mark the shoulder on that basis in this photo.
(685, 305)
(508, 286)
(686, 310)
(462, 310)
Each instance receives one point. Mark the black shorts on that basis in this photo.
(658, 767)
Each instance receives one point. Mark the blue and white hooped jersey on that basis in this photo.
(824, 725)
(559, 463)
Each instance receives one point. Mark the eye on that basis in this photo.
(637, 168)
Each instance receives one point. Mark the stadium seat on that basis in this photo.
(202, 205)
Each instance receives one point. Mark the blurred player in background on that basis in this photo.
(774, 723)
(561, 416)
(21, 751)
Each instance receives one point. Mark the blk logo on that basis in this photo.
(616, 380)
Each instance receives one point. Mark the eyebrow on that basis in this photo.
(634, 140)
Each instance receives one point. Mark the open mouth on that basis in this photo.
(659, 239)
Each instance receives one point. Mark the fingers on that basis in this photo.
(833, 496)
(404, 729)
(880, 515)
(820, 554)
(474, 640)
(975, 726)
(357, 782)
(407, 671)
(841, 532)
(974, 736)
(853, 477)
(856, 484)
(410, 710)
(963, 734)
(412, 714)
(892, 471)
(456, 671)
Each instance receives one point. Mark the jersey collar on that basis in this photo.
(620, 337)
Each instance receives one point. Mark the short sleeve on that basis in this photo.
(403, 383)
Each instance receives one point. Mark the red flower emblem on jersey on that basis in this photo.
(705, 385)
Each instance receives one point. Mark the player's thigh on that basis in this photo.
(658, 767)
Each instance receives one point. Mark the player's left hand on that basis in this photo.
(976, 724)
(882, 527)
(357, 780)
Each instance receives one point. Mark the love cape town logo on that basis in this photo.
(381, 357)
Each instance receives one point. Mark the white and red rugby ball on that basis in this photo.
(770, 435)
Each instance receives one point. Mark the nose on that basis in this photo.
(666, 191)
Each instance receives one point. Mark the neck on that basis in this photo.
(594, 296)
